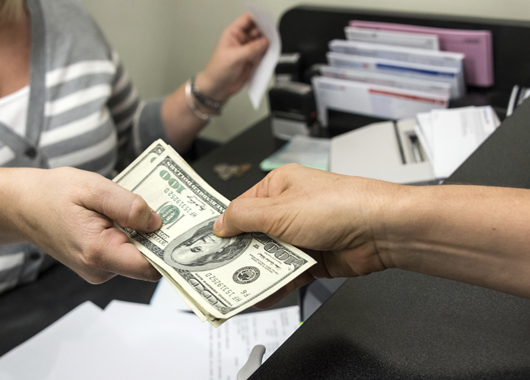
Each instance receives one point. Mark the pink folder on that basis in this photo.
(475, 44)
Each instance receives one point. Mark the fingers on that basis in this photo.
(254, 49)
(118, 204)
(244, 215)
(123, 258)
(244, 22)
(114, 254)
(244, 29)
(250, 50)
(254, 210)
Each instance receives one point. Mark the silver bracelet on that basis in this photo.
(207, 102)
(192, 106)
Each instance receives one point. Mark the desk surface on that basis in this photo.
(252, 146)
(394, 324)
(391, 325)
(397, 324)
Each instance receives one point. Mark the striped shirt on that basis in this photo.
(83, 112)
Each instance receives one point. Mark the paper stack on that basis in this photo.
(477, 45)
(391, 75)
(135, 341)
(449, 137)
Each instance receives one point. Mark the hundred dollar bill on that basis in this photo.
(216, 277)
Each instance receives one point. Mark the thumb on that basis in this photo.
(244, 215)
(123, 206)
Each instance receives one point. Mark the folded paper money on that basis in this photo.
(216, 277)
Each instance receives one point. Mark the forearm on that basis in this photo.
(182, 125)
(12, 182)
(473, 234)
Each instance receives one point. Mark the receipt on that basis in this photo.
(258, 82)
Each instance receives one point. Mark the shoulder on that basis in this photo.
(71, 33)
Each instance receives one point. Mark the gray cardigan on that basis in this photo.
(83, 112)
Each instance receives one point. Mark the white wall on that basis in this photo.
(164, 42)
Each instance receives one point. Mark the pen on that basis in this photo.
(511, 103)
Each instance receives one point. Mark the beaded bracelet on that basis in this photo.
(204, 100)
(192, 106)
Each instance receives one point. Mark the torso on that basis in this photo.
(15, 43)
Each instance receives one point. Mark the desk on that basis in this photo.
(391, 325)
(252, 146)
(397, 324)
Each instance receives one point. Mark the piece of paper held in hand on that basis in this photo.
(216, 277)
(257, 84)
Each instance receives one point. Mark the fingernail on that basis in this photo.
(218, 225)
(156, 221)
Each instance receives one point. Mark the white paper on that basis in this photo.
(374, 36)
(35, 358)
(449, 137)
(372, 100)
(258, 83)
(400, 53)
(451, 75)
(387, 80)
(135, 341)
(165, 296)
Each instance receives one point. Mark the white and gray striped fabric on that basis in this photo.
(83, 112)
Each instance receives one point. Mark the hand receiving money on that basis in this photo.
(217, 277)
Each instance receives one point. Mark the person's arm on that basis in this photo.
(356, 226)
(138, 124)
(239, 49)
(70, 214)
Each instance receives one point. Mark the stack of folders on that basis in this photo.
(394, 73)
(449, 137)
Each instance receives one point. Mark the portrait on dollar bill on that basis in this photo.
(199, 249)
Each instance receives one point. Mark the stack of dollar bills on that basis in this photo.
(216, 277)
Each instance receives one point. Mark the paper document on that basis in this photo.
(259, 80)
(475, 44)
(400, 53)
(387, 80)
(36, 358)
(312, 152)
(135, 341)
(374, 36)
(450, 75)
(449, 137)
(373, 100)
(164, 296)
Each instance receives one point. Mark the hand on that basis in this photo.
(70, 214)
(239, 49)
(328, 215)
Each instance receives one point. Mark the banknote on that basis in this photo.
(216, 277)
